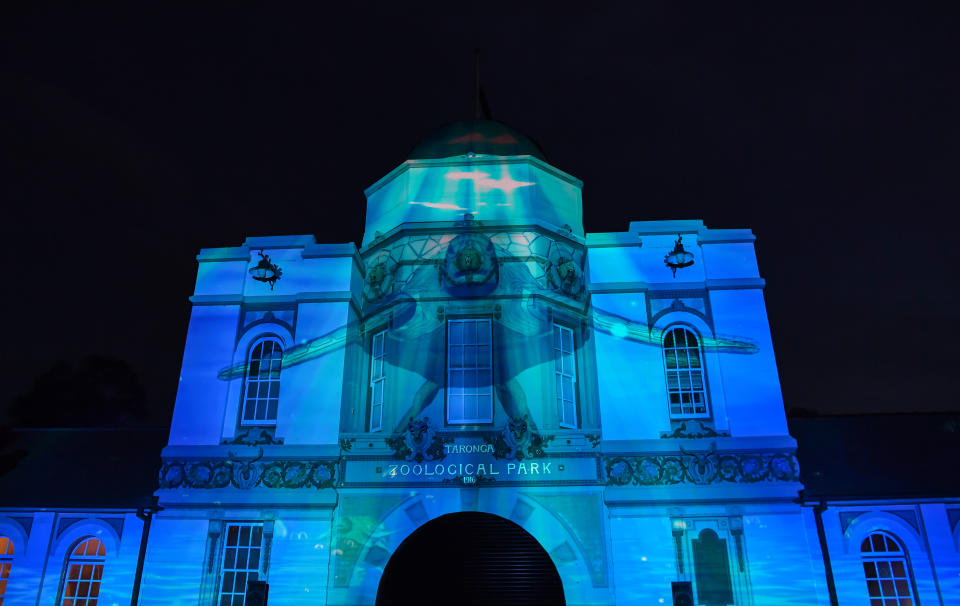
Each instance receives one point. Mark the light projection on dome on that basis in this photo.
(471, 189)
(490, 187)
(440, 205)
(484, 182)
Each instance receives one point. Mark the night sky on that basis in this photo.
(130, 140)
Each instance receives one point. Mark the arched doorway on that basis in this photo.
(470, 558)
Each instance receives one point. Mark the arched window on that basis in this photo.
(683, 360)
(889, 580)
(84, 571)
(6, 561)
(262, 389)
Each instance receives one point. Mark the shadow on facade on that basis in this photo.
(470, 558)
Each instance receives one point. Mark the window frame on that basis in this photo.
(560, 372)
(278, 343)
(450, 369)
(701, 565)
(875, 557)
(73, 559)
(701, 369)
(222, 557)
(373, 379)
(6, 564)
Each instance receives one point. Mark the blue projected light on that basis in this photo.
(481, 354)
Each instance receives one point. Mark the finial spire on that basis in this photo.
(477, 111)
(481, 109)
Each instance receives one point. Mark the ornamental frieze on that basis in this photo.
(244, 475)
(710, 467)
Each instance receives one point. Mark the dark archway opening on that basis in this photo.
(470, 558)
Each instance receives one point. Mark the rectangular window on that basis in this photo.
(566, 374)
(242, 547)
(377, 380)
(469, 371)
(82, 586)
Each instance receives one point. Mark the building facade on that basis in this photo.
(613, 395)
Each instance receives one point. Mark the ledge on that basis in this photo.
(675, 226)
(673, 445)
(296, 241)
(625, 496)
(259, 498)
(639, 229)
(735, 283)
(602, 288)
(611, 239)
(726, 236)
(333, 296)
(216, 299)
(236, 253)
(272, 452)
(517, 224)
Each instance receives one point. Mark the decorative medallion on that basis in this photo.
(470, 261)
(378, 281)
(518, 440)
(419, 442)
(567, 277)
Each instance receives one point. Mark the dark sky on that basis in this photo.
(132, 139)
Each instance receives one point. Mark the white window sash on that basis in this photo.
(83, 582)
(246, 549)
(256, 381)
(469, 371)
(685, 378)
(377, 379)
(565, 367)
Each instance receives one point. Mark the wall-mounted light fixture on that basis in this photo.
(678, 257)
(265, 271)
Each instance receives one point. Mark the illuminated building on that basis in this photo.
(613, 395)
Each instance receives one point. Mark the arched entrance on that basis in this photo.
(470, 558)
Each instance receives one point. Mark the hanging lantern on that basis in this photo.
(677, 258)
(265, 271)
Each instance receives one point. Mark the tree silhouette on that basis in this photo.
(98, 392)
(11, 450)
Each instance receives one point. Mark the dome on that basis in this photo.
(486, 137)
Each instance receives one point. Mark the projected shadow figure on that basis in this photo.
(420, 337)
(519, 326)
